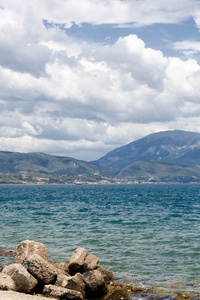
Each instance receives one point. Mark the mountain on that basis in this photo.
(14, 162)
(169, 156)
(158, 172)
(174, 147)
(36, 167)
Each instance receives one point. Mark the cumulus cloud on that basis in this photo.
(66, 96)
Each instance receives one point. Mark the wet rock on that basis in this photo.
(6, 283)
(76, 283)
(129, 288)
(182, 296)
(75, 263)
(107, 275)
(24, 281)
(41, 269)
(116, 292)
(61, 293)
(90, 263)
(95, 284)
(9, 252)
(27, 248)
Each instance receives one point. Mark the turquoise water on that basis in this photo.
(145, 234)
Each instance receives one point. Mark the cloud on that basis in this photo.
(66, 96)
(187, 47)
(141, 13)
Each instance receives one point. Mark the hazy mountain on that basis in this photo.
(175, 147)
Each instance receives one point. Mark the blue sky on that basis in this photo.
(80, 78)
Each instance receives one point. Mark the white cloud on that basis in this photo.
(66, 96)
(187, 47)
(143, 12)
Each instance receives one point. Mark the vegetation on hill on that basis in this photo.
(175, 147)
(170, 156)
(159, 172)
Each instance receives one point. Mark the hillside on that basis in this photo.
(174, 147)
(31, 167)
(158, 172)
(170, 156)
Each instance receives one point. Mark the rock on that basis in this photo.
(9, 252)
(182, 296)
(90, 263)
(76, 283)
(95, 284)
(41, 269)
(107, 275)
(116, 292)
(24, 281)
(59, 265)
(125, 289)
(62, 275)
(75, 263)
(61, 293)
(10, 295)
(62, 279)
(6, 283)
(27, 248)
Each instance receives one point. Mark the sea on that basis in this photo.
(148, 235)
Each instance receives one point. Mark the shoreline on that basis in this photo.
(153, 290)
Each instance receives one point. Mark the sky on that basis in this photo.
(81, 78)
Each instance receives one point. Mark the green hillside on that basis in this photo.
(31, 167)
(159, 172)
(175, 147)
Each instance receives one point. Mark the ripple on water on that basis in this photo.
(146, 232)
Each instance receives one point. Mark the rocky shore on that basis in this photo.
(32, 276)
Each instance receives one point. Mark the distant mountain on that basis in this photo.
(43, 168)
(175, 147)
(169, 156)
(158, 172)
(14, 162)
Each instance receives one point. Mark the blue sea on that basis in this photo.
(146, 234)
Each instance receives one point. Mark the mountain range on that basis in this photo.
(168, 156)
(174, 147)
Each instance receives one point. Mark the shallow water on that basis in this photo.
(147, 235)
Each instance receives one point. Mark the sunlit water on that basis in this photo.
(146, 234)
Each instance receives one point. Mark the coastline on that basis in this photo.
(157, 290)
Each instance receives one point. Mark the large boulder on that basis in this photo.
(61, 293)
(75, 263)
(62, 275)
(6, 283)
(62, 279)
(90, 263)
(95, 284)
(24, 281)
(76, 283)
(27, 248)
(107, 274)
(41, 269)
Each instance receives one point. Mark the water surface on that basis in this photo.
(145, 234)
